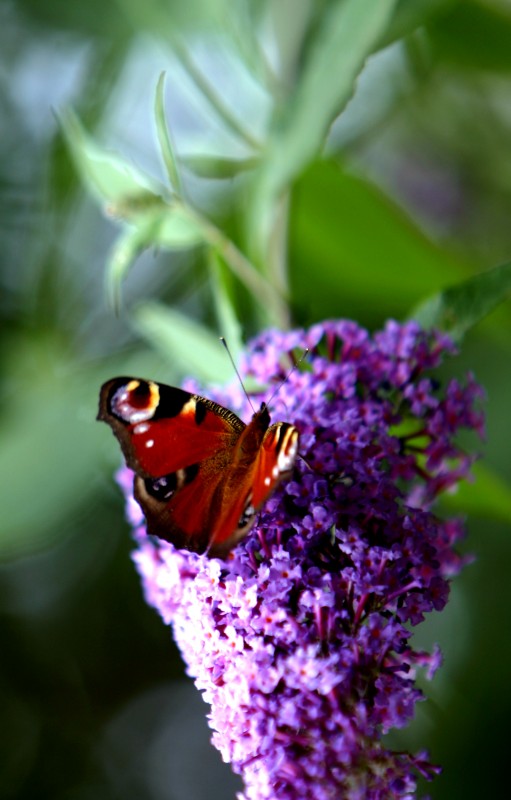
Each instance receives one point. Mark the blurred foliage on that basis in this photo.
(299, 160)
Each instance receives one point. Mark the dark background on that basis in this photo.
(415, 196)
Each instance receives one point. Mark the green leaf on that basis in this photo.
(354, 252)
(179, 228)
(50, 442)
(216, 167)
(474, 35)
(348, 32)
(167, 150)
(228, 322)
(109, 177)
(124, 252)
(242, 24)
(488, 496)
(173, 228)
(409, 16)
(209, 91)
(460, 307)
(197, 350)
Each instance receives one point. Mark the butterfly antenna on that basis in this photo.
(237, 372)
(286, 378)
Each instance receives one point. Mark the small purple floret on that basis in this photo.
(300, 640)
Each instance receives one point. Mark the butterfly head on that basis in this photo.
(262, 417)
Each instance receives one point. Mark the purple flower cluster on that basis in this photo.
(300, 640)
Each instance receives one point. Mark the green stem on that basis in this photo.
(269, 296)
(277, 260)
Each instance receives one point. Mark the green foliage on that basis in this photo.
(110, 178)
(339, 46)
(457, 309)
(474, 35)
(307, 170)
(44, 426)
(488, 496)
(343, 225)
(178, 337)
(166, 147)
(314, 237)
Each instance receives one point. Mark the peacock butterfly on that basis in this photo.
(200, 472)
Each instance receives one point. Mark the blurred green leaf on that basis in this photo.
(166, 148)
(409, 16)
(156, 222)
(460, 307)
(171, 227)
(242, 23)
(474, 35)
(50, 443)
(488, 496)
(177, 227)
(352, 249)
(127, 247)
(164, 18)
(346, 35)
(75, 21)
(340, 48)
(230, 119)
(197, 350)
(214, 167)
(228, 322)
(109, 177)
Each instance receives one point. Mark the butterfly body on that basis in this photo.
(201, 473)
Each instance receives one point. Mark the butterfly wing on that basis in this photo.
(275, 461)
(162, 429)
(262, 459)
(184, 515)
(180, 446)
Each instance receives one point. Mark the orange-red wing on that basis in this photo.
(248, 485)
(275, 460)
(162, 429)
(204, 518)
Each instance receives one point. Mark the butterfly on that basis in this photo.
(201, 474)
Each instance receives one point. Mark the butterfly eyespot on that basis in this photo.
(135, 402)
(163, 488)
